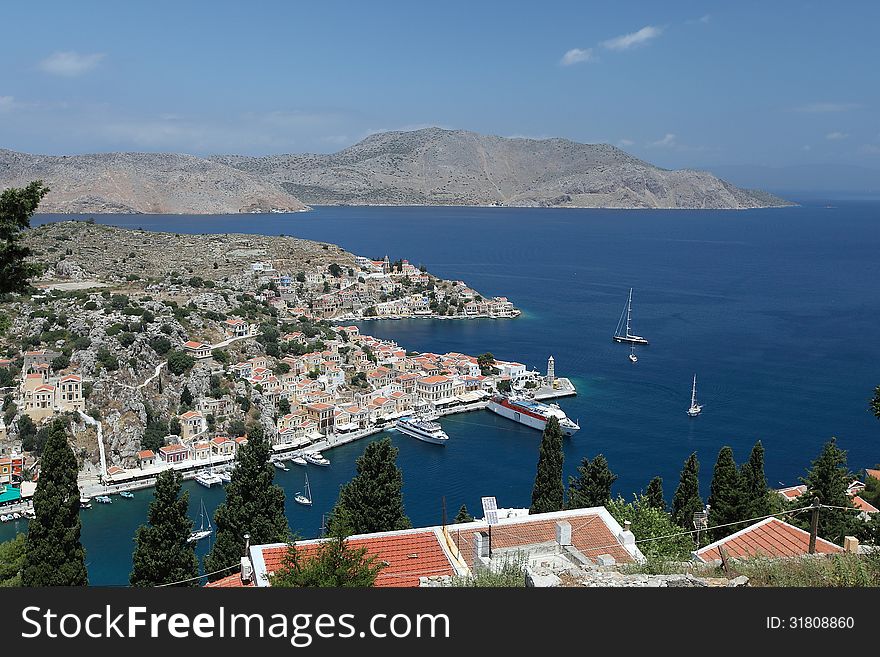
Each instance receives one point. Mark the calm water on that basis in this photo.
(775, 311)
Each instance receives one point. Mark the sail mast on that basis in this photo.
(694, 392)
(629, 307)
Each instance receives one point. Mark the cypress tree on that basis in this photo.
(755, 493)
(654, 494)
(54, 554)
(254, 505)
(186, 398)
(548, 492)
(463, 515)
(17, 206)
(592, 486)
(162, 552)
(687, 500)
(373, 500)
(828, 480)
(725, 495)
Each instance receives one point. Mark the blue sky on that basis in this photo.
(680, 84)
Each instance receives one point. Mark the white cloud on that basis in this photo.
(627, 41)
(870, 149)
(833, 136)
(70, 64)
(668, 141)
(824, 108)
(806, 147)
(576, 56)
(6, 103)
(623, 143)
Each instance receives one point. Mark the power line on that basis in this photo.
(192, 579)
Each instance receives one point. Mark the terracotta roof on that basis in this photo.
(864, 504)
(232, 581)
(146, 454)
(44, 388)
(172, 449)
(873, 473)
(792, 492)
(189, 415)
(114, 469)
(770, 538)
(409, 555)
(71, 377)
(589, 534)
(430, 380)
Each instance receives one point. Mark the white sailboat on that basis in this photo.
(695, 408)
(623, 332)
(306, 497)
(203, 531)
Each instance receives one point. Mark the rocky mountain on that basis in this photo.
(455, 167)
(422, 167)
(157, 183)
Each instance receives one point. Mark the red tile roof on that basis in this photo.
(770, 538)
(408, 555)
(146, 454)
(232, 581)
(792, 492)
(864, 505)
(873, 473)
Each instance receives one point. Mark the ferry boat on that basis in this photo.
(622, 333)
(208, 479)
(317, 459)
(531, 413)
(423, 429)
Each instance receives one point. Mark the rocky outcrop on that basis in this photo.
(456, 167)
(157, 183)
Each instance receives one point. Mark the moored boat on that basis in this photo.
(425, 430)
(622, 333)
(280, 465)
(317, 459)
(531, 413)
(103, 499)
(208, 479)
(126, 494)
(299, 460)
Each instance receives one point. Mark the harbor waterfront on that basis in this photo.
(777, 323)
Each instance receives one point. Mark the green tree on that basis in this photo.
(592, 486)
(12, 560)
(373, 500)
(17, 206)
(687, 500)
(162, 553)
(186, 398)
(650, 522)
(828, 479)
(654, 494)
(160, 344)
(254, 505)
(336, 564)
(463, 515)
(486, 362)
(179, 362)
(874, 406)
(548, 492)
(755, 492)
(220, 355)
(725, 495)
(54, 554)
(284, 406)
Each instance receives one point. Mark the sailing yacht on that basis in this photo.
(695, 408)
(623, 333)
(203, 531)
(304, 498)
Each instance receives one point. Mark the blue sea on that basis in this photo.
(776, 312)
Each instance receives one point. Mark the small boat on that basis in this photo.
(30, 514)
(225, 477)
(85, 503)
(5, 518)
(15, 515)
(695, 408)
(622, 333)
(103, 499)
(632, 354)
(127, 494)
(304, 498)
(280, 465)
(205, 528)
(208, 479)
(299, 460)
(425, 430)
(317, 459)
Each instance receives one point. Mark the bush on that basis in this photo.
(160, 344)
(180, 362)
(107, 359)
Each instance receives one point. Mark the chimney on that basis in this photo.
(627, 538)
(247, 570)
(563, 533)
(481, 546)
(850, 544)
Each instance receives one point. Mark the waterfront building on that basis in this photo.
(172, 454)
(192, 423)
(146, 458)
(222, 446)
(322, 414)
(434, 388)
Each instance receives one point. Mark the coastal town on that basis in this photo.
(170, 371)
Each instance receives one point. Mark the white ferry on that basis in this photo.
(531, 413)
(429, 432)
